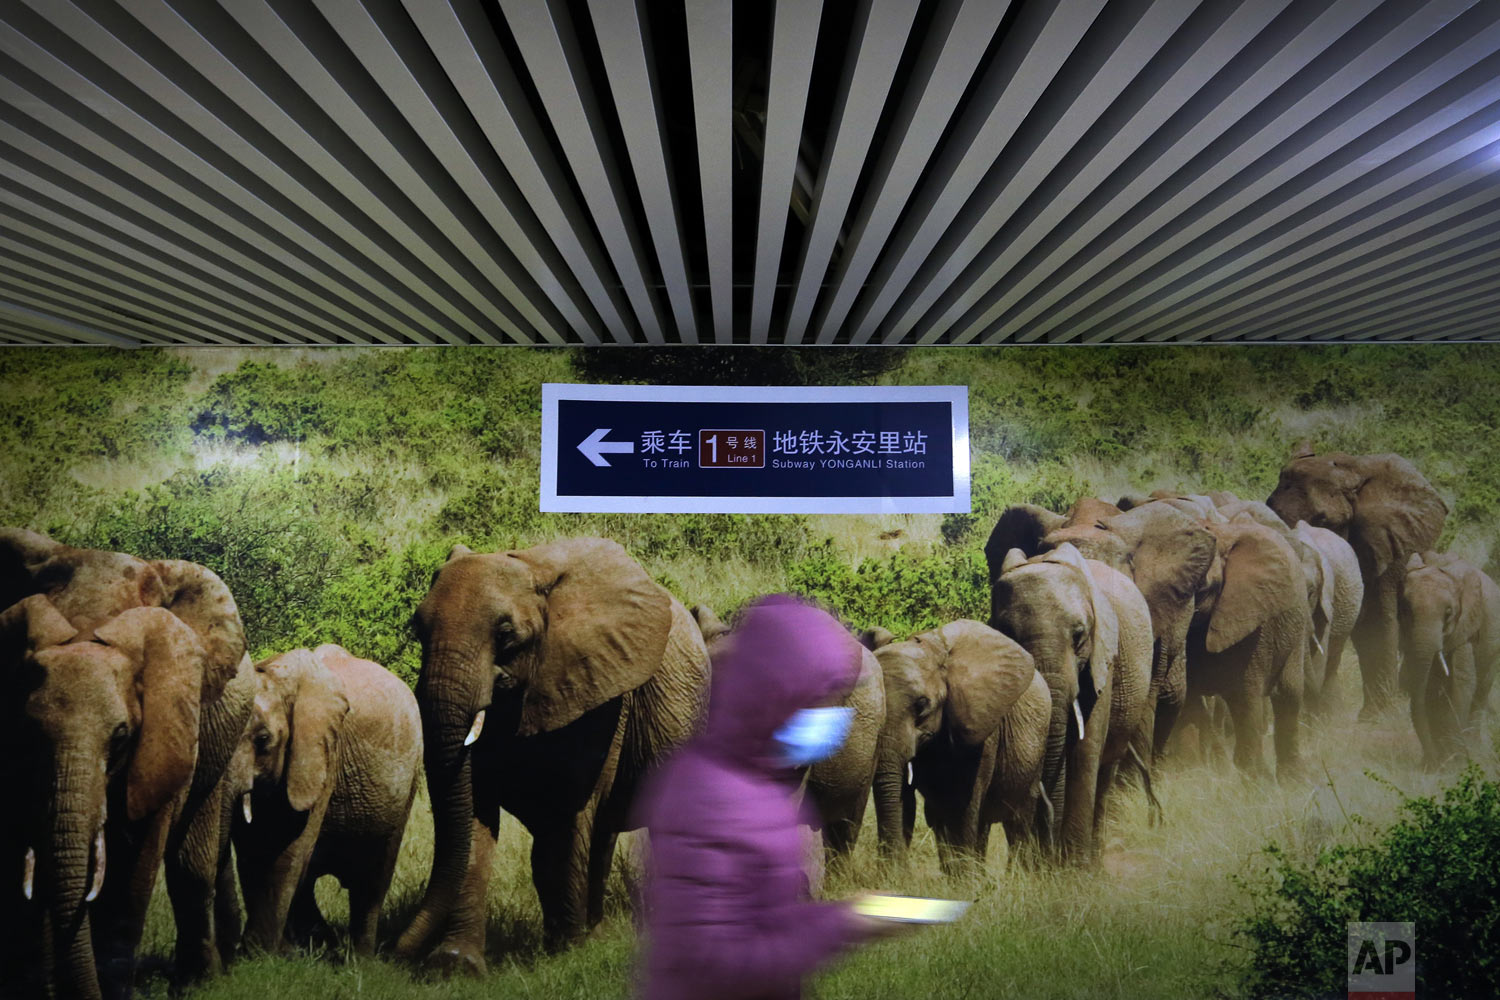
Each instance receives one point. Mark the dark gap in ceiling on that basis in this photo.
(666, 21)
(612, 147)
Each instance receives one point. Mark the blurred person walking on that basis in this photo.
(727, 907)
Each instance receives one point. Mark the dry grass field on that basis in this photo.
(1153, 920)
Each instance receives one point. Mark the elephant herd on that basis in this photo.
(554, 678)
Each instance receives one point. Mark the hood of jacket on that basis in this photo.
(783, 655)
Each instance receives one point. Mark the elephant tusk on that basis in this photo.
(1318, 643)
(909, 778)
(1444, 661)
(475, 729)
(30, 876)
(245, 807)
(98, 883)
(1078, 714)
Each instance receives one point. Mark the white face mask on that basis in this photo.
(813, 734)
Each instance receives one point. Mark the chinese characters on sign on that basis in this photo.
(792, 449)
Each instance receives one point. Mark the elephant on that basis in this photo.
(966, 726)
(1384, 508)
(1341, 567)
(1249, 640)
(127, 687)
(336, 749)
(1318, 579)
(1088, 630)
(1165, 552)
(838, 787)
(593, 673)
(1450, 642)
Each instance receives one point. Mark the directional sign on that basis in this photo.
(755, 449)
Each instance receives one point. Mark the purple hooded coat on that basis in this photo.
(727, 908)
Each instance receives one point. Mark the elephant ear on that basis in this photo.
(1396, 511)
(170, 662)
(873, 638)
(196, 596)
(1260, 574)
(22, 555)
(319, 707)
(32, 623)
(1021, 526)
(986, 674)
(607, 627)
(1105, 639)
(1170, 552)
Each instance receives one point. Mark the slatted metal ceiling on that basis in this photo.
(621, 171)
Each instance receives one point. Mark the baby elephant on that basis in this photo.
(336, 745)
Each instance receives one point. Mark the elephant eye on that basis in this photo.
(262, 740)
(921, 705)
(117, 741)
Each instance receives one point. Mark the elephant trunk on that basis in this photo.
(65, 872)
(890, 782)
(446, 728)
(1422, 653)
(1054, 768)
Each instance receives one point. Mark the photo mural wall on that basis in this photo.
(326, 489)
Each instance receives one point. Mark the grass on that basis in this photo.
(1152, 921)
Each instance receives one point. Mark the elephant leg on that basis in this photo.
(118, 917)
(1106, 778)
(462, 946)
(1326, 703)
(229, 918)
(271, 873)
(1376, 641)
(1247, 710)
(842, 818)
(601, 858)
(192, 870)
(305, 926)
(1197, 714)
(367, 876)
(559, 870)
(1286, 710)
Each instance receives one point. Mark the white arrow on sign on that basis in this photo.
(594, 447)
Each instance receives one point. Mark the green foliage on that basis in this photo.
(323, 485)
(1438, 865)
(905, 593)
(272, 536)
(259, 402)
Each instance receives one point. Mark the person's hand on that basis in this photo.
(877, 928)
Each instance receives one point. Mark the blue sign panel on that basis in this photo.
(743, 449)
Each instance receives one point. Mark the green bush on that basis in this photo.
(1438, 866)
(905, 592)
